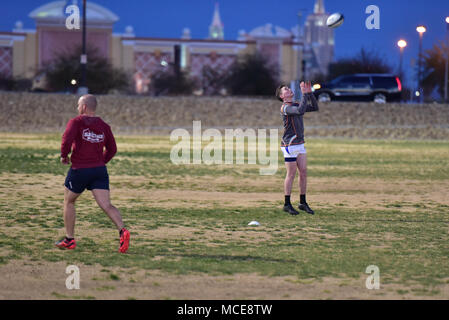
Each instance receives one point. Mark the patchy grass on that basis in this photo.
(182, 232)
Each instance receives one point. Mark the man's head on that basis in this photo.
(87, 104)
(284, 93)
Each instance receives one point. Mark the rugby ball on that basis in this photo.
(335, 20)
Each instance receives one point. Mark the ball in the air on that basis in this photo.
(335, 20)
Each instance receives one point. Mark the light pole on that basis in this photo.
(300, 73)
(446, 74)
(83, 87)
(421, 30)
(401, 44)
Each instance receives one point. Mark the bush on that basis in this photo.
(14, 84)
(252, 76)
(101, 76)
(169, 82)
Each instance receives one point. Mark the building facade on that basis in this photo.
(23, 52)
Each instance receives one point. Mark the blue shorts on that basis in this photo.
(78, 180)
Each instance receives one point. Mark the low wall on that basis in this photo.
(33, 112)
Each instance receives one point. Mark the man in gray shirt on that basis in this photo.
(292, 144)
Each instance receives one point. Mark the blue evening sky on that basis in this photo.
(151, 18)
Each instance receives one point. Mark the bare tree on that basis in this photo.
(363, 62)
(434, 69)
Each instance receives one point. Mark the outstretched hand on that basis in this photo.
(306, 87)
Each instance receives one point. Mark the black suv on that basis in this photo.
(375, 87)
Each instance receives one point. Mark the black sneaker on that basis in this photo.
(305, 207)
(289, 208)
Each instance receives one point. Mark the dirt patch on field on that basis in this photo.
(48, 281)
(354, 193)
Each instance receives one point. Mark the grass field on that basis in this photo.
(382, 203)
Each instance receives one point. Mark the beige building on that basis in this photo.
(23, 52)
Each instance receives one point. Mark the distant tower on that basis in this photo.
(216, 30)
(319, 7)
(319, 39)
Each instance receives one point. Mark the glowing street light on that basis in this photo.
(421, 30)
(401, 44)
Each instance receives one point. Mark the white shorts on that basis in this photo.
(292, 152)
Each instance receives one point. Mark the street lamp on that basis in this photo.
(300, 54)
(401, 44)
(421, 30)
(83, 87)
(446, 74)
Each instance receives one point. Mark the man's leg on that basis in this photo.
(104, 201)
(102, 196)
(290, 177)
(69, 212)
(301, 162)
(288, 183)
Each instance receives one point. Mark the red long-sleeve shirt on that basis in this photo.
(87, 137)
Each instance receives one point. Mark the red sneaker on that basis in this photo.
(124, 240)
(66, 244)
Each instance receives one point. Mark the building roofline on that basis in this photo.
(9, 33)
(187, 40)
(252, 41)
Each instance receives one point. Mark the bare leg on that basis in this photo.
(291, 173)
(301, 162)
(102, 197)
(69, 212)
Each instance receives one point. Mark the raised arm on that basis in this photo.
(311, 103)
(308, 103)
(290, 109)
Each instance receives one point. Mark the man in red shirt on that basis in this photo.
(93, 145)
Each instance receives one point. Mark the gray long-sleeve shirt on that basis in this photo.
(292, 115)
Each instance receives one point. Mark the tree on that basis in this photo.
(101, 76)
(434, 69)
(9, 83)
(213, 80)
(171, 82)
(6, 83)
(252, 75)
(363, 62)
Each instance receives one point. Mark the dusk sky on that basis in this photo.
(150, 18)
